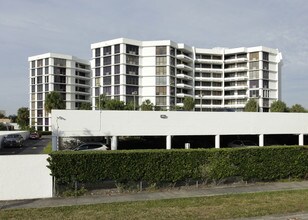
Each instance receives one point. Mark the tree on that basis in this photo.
(2, 127)
(297, 108)
(13, 118)
(85, 106)
(251, 106)
(100, 102)
(2, 115)
(114, 104)
(54, 100)
(23, 118)
(130, 106)
(278, 106)
(189, 104)
(147, 105)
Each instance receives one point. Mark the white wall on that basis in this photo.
(143, 123)
(24, 177)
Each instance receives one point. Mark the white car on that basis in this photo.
(91, 146)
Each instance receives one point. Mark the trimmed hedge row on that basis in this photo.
(154, 166)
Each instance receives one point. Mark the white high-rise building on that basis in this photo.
(68, 75)
(166, 72)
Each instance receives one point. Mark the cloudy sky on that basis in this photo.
(32, 27)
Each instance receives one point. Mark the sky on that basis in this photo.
(32, 27)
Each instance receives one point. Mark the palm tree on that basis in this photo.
(54, 100)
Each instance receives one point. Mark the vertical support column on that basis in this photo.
(114, 143)
(168, 142)
(54, 141)
(217, 141)
(301, 139)
(261, 140)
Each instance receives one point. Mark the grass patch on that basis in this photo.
(47, 149)
(216, 207)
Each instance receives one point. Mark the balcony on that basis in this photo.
(184, 76)
(208, 79)
(236, 87)
(183, 95)
(211, 88)
(220, 97)
(208, 70)
(236, 69)
(184, 58)
(235, 96)
(209, 61)
(184, 67)
(240, 78)
(236, 60)
(183, 86)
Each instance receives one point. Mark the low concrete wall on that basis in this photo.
(24, 134)
(24, 177)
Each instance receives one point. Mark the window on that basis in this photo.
(254, 56)
(117, 48)
(39, 79)
(254, 84)
(132, 60)
(172, 90)
(132, 80)
(265, 84)
(172, 61)
(59, 79)
(161, 90)
(217, 93)
(107, 50)
(216, 84)
(131, 49)
(39, 88)
(46, 70)
(40, 63)
(39, 71)
(265, 56)
(117, 59)
(46, 62)
(265, 65)
(46, 87)
(107, 80)
(254, 65)
(59, 71)
(161, 60)
(40, 104)
(216, 66)
(59, 62)
(254, 75)
(40, 96)
(161, 80)
(254, 93)
(131, 89)
(107, 60)
(241, 92)
(32, 81)
(161, 50)
(97, 52)
(161, 70)
(97, 61)
(116, 69)
(97, 71)
(117, 90)
(132, 70)
(107, 90)
(107, 70)
(33, 72)
(33, 64)
(97, 81)
(172, 71)
(216, 57)
(97, 91)
(217, 102)
(161, 100)
(117, 79)
(172, 51)
(265, 74)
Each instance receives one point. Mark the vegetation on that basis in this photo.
(23, 118)
(189, 104)
(147, 105)
(214, 207)
(47, 149)
(85, 106)
(278, 106)
(161, 166)
(251, 106)
(54, 100)
(297, 108)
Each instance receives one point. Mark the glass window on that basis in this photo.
(132, 49)
(59, 62)
(107, 60)
(254, 65)
(254, 75)
(254, 84)
(107, 80)
(117, 59)
(265, 56)
(117, 90)
(46, 61)
(32, 81)
(254, 93)
(132, 60)
(172, 71)
(46, 87)
(116, 69)
(161, 90)
(132, 80)
(97, 61)
(117, 48)
(161, 60)
(46, 70)
(39, 79)
(40, 63)
(40, 96)
(107, 70)
(107, 90)
(161, 80)
(107, 50)
(254, 56)
(265, 84)
(97, 71)
(265, 65)
(33, 72)
(131, 89)
(172, 51)
(117, 79)
(265, 74)
(59, 71)
(161, 100)
(39, 71)
(162, 70)
(161, 50)
(97, 81)
(33, 64)
(97, 52)
(132, 70)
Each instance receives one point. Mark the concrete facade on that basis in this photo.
(170, 123)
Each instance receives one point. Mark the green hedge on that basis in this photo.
(153, 166)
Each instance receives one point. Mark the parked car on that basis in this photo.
(241, 143)
(91, 146)
(13, 140)
(34, 136)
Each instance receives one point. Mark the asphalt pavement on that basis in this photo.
(171, 194)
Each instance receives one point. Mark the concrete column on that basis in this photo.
(301, 139)
(54, 141)
(114, 143)
(217, 141)
(168, 142)
(261, 140)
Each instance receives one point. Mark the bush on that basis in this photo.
(159, 166)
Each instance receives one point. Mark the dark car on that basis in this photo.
(34, 136)
(241, 143)
(91, 146)
(13, 140)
